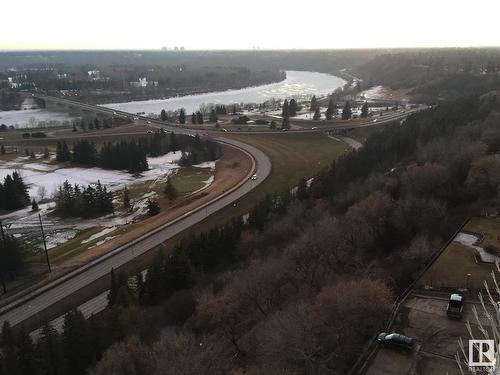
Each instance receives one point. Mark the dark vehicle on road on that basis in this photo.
(455, 306)
(396, 340)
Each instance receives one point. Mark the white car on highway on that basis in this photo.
(254, 177)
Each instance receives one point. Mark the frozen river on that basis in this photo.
(297, 83)
(34, 118)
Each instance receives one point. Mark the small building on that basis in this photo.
(143, 82)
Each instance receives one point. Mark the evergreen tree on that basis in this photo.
(97, 124)
(25, 353)
(258, 215)
(317, 114)
(126, 198)
(113, 289)
(178, 270)
(65, 152)
(331, 110)
(118, 322)
(199, 117)
(34, 205)
(9, 364)
(74, 128)
(139, 281)
(153, 207)
(86, 201)
(314, 104)
(285, 124)
(120, 293)
(193, 118)
(77, 343)
(152, 284)
(58, 151)
(91, 125)
(13, 192)
(293, 108)
(85, 152)
(173, 142)
(49, 352)
(285, 110)
(213, 116)
(182, 116)
(302, 192)
(364, 110)
(163, 115)
(62, 152)
(2, 150)
(170, 190)
(46, 153)
(346, 112)
(220, 109)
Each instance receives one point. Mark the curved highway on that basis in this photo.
(37, 301)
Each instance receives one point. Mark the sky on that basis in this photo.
(237, 24)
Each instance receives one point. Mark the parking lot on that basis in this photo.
(423, 317)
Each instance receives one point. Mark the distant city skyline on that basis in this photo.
(228, 24)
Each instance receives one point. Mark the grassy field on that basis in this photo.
(293, 156)
(457, 260)
(190, 179)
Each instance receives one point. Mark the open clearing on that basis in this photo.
(458, 260)
(293, 156)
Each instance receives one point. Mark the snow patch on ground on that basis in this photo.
(99, 243)
(206, 164)
(208, 181)
(99, 234)
(373, 93)
(170, 158)
(469, 240)
(58, 237)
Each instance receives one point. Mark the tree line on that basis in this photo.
(132, 155)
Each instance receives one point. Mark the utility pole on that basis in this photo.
(2, 280)
(44, 243)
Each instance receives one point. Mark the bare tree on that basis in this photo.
(487, 319)
(42, 192)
